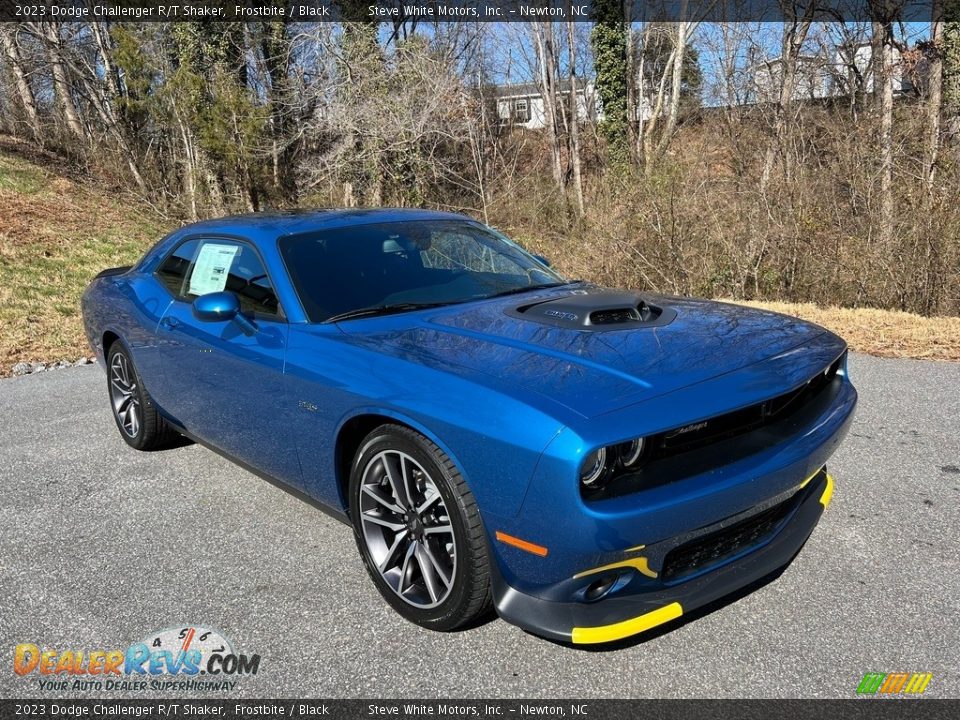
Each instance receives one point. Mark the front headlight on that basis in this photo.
(603, 464)
(631, 452)
(594, 467)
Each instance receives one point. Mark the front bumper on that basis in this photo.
(620, 615)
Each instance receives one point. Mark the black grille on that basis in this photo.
(704, 446)
(611, 317)
(718, 546)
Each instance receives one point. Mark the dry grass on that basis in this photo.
(886, 333)
(57, 231)
(55, 235)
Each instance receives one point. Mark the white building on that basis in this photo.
(853, 70)
(848, 71)
(521, 104)
(812, 80)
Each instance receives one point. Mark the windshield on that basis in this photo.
(402, 265)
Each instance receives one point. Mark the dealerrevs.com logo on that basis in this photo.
(896, 683)
(184, 658)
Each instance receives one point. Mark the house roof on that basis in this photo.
(800, 59)
(533, 89)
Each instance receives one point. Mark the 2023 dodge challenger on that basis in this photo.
(591, 462)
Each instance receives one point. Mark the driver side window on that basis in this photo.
(221, 264)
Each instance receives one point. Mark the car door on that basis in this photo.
(222, 381)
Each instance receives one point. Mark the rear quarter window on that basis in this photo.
(173, 271)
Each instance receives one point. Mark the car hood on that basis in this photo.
(590, 371)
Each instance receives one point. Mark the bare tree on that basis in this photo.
(49, 33)
(883, 85)
(28, 102)
(648, 128)
(796, 28)
(547, 74)
(950, 42)
(681, 30)
(101, 35)
(850, 74)
(656, 132)
(934, 99)
(574, 113)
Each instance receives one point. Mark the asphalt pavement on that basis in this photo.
(101, 545)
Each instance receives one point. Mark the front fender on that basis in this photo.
(401, 418)
(494, 439)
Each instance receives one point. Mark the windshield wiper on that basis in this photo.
(528, 288)
(387, 309)
(390, 308)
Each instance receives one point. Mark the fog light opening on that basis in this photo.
(600, 587)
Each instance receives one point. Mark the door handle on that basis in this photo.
(169, 323)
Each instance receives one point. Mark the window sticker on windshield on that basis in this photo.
(211, 269)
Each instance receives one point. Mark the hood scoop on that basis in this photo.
(595, 312)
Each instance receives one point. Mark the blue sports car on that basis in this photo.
(589, 462)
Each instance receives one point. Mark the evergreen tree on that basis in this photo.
(609, 39)
(951, 65)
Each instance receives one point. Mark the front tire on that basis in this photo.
(140, 425)
(418, 530)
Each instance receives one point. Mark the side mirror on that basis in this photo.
(221, 307)
(542, 259)
(216, 307)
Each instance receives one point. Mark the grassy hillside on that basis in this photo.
(56, 232)
(58, 229)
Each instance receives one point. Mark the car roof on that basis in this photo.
(276, 223)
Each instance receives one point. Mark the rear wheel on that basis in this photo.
(140, 425)
(418, 530)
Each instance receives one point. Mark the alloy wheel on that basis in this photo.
(124, 395)
(407, 529)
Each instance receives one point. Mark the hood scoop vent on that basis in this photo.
(595, 311)
(617, 315)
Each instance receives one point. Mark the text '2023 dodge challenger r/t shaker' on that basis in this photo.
(590, 462)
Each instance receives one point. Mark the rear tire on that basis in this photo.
(140, 425)
(418, 530)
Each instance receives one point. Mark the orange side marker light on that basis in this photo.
(522, 544)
